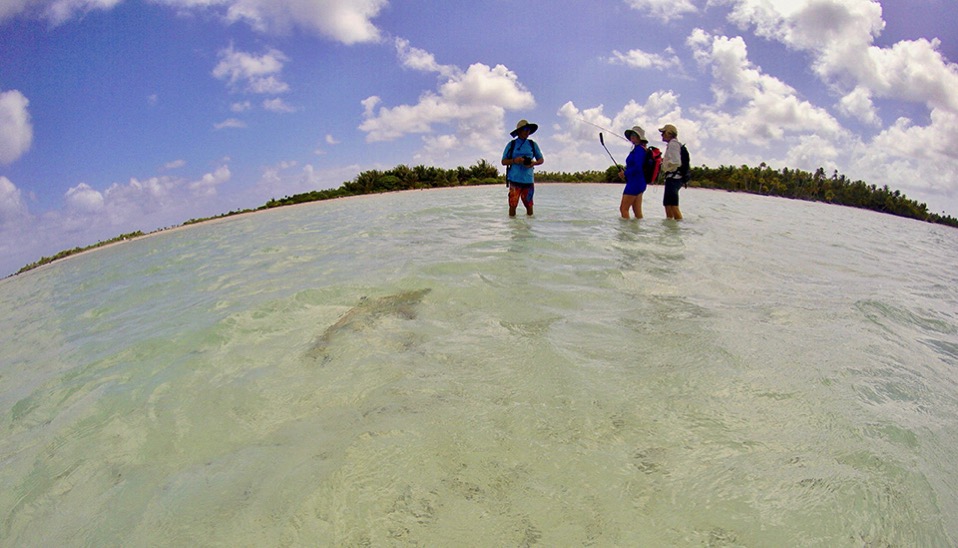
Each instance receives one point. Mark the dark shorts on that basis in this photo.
(521, 191)
(634, 188)
(671, 195)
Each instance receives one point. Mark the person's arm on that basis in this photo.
(537, 158)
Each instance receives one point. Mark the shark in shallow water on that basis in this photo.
(364, 314)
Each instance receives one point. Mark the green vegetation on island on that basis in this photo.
(67, 252)
(816, 187)
(400, 178)
(786, 183)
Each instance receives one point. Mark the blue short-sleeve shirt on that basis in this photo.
(519, 173)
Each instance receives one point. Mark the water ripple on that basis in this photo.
(764, 373)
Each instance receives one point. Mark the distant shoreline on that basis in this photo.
(762, 181)
(222, 218)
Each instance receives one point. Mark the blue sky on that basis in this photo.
(125, 115)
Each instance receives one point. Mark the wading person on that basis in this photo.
(674, 171)
(634, 174)
(520, 156)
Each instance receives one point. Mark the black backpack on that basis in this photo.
(685, 170)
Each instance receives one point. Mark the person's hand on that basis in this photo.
(621, 175)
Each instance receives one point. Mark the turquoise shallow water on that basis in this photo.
(765, 373)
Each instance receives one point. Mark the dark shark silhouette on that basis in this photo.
(364, 314)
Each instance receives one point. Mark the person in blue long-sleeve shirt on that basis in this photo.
(634, 174)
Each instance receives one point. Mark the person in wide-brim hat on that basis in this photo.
(524, 124)
(634, 174)
(638, 131)
(520, 157)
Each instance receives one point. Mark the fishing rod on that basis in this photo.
(602, 140)
(604, 129)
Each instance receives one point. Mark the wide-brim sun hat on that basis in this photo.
(670, 129)
(524, 124)
(638, 131)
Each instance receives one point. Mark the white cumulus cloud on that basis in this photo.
(858, 104)
(230, 123)
(750, 105)
(277, 105)
(84, 199)
(12, 207)
(840, 35)
(56, 12)
(420, 59)
(473, 101)
(208, 184)
(346, 21)
(16, 130)
(247, 72)
(241, 106)
(637, 58)
(663, 11)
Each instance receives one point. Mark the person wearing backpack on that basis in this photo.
(520, 156)
(634, 175)
(676, 169)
